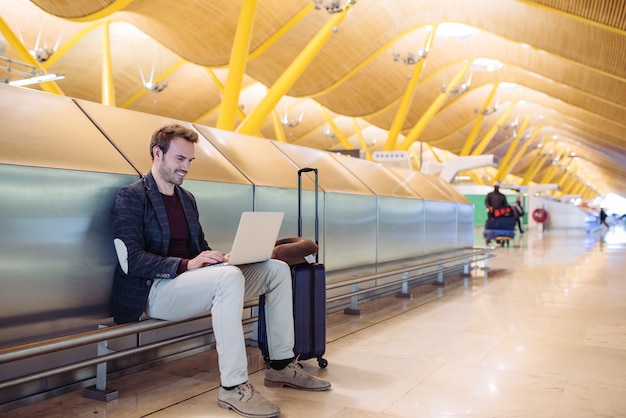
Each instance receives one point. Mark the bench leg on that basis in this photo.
(354, 302)
(404, 293)
(439, 282)
(100, 392)
(254, 342)
(466, 268)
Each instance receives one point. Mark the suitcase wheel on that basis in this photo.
(322, 362)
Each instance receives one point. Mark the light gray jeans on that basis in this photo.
(222, 290)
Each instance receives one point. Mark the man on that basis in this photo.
(169, 276)
(602, 218)
(518, 211)
(496, 202)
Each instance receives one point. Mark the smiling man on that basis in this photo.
(168, 275)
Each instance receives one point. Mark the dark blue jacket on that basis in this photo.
(140, 221)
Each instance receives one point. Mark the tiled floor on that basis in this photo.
(544, 335)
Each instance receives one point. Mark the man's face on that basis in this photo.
(176, 162)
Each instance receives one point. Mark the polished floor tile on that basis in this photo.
(539, 332)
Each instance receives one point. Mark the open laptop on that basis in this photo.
(255, 238)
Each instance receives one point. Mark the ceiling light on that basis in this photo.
(155, 86)
(291, 123)
(41, 54)
(486, 64)
(487, 110)
(37, 79)
(151, 84)
(459, 89)
(410, 58)
(508, 86)
(328, 131)
(30, 74)
(456, 30)
(333, 6)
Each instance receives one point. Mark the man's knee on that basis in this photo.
(232, 278)
(279, 266)
(281, 272)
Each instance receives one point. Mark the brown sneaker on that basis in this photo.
(294, 376)
(246, 401)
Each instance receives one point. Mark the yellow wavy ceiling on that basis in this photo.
(561, 88)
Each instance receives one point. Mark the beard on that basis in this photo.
(169, 175)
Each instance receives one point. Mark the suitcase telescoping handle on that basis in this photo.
(307, 170)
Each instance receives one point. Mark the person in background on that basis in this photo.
(518, 211)
(602, 218)
(168, 273)
(496, 202)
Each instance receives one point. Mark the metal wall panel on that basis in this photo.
(286, 200)
(56, 252)
(441, 226)
(220, 206)
(350, 232)
(400, 229)
(465, 226)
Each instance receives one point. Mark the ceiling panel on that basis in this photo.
(566, 60)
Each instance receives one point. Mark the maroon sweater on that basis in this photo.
(179, 231)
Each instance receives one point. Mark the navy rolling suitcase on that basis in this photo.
(502, 223)
(501, 229)
(309, 298)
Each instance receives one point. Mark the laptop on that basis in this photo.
(255, 238)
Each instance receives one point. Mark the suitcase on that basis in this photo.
(491, 234)
(500, 229)
(504, 223)
(309, 298)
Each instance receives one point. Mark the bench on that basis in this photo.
(100, 336)
(428, 267)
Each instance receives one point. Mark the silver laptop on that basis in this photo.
(255, 238)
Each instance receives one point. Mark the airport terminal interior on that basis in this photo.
(537, 331)
(378, 128)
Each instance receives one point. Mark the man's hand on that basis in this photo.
(206, 258)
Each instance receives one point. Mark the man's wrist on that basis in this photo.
(183, 266)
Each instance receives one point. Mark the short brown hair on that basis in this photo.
(164, 135)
